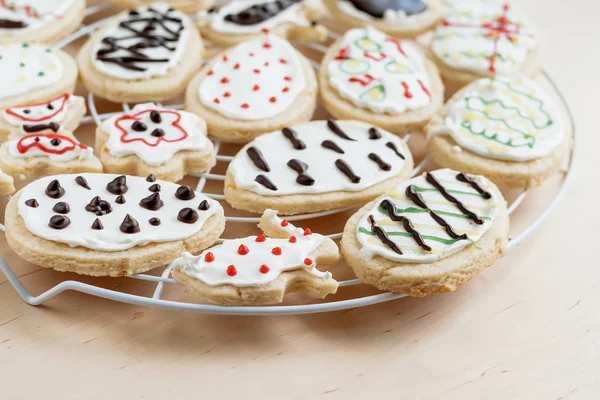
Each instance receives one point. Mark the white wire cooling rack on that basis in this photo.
(157, 300)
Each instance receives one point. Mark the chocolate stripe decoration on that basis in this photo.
(374, 134)
(346, 170)
(12, 24)
(392, 146)
(257, 158)
(335, 128)
(463, 178)
(53, 126)
(328, 144)
(266, 182)
(292, 136)
(382, 235)
(378, 8)
(380, 163)
(474, 217)
(416, 198)
(258, 13)
(389, 207)
(301, 167)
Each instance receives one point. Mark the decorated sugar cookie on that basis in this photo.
(505, 128)
(430, 234)
(261, 269)
(7, 184)
(253, 88)
(155, 140)
(59, 114)
(186, 6)
(484, 39)
(47, 153)
(39, 21)
(370, 76)
(241, 20)
(33, 73)
(109, 225)
(146, 54)
(315, 166)
(398, 18)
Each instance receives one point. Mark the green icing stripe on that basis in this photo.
(447, 242)
(413, 210)
(420, 189)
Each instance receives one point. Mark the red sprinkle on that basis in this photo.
(281, 60)
(308, 262)
(293, 239)
(256, 88)
(216, 101)
(209, 73)
(284, 223)
(267, 64)
(288, 78)
(307, 232)
(225, 80)
(245, 105)
(285, 89)
(236, 66)
(261, 238)
(231, 271)
(251, 54)
(273, 99)
(256, 71)
(243, 250)
(267, 45)
(264, 30)
(225, 57)
(264, 269)
(226, 94)
(209, 257)
(276, 251)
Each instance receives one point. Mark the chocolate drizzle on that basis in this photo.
(382, 235)
(53, 126)
(392, 146)
(464, 178)
(346, 170)
(185, 193)
(292, 136)
(97, 225)
(266, 182)
(204, 205)
(474, 217)
(374, 134)
(32, 203)
(129, 225)
(12, 24)
(80, 180)
(380, 163)
(377, 8)
(328, 144)
(132, 57)
(258, 13)
(59, 222)
(389, 207)
(61, 208)
(152, 202)
(301, 167)
(118, 185)
(187, 215)
(54, 190)
(335, 128)
(98, 206)
(257, 158)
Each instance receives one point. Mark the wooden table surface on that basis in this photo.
(528, 328)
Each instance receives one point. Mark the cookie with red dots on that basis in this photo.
(46, 153)
(397, 18)
(186, 6)
(242, 20)
(258, 86)
(154, 140)
(369, 76)
(109, 225)
(261, 270)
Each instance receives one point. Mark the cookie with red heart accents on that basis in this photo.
(39, 21)
(47, 153)
(109, 225)
(186, 6)
(155, 140)
(7, 184)
(258, 86)
(149, 53)
(242, 20)
(261, 270)
(397, 18)
(63, 113)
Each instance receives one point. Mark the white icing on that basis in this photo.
(216, 19)
(152, 69)
(277, 150)
(27, 67)
(380, 73)
(34, 14)
(54, 110)
(486, 209)
(294, 256)
(504, 118)
(183, 131)
(484, 37)
(255, 80)
(40, 145)
(79, 232)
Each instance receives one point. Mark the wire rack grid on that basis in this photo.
(163, 279)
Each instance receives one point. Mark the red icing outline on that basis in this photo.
(136, 117)
(25, 148)
(62, 107)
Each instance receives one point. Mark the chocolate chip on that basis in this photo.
(55, 142)
(204, 205)
(98, 206)
(187, 215)
(155, 117)
(154, 188)
(314, 23)
(61, 208)
(154, 221)
(151, 178)
(59, 222)
(37, 139)
(97, 225)
(32, 203)
(139, 126)
(120, 199)
(158, 132)
(50, 107)
(118, 185)
(152, 202)
(184, 193)
(80, 180)
(26, 111)
(129, 225)
(133, 13)
(54, 189)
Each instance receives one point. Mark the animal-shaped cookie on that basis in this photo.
(430, 234)
(109, 225)
(255, 87)
(242, 20)
(315, 166)
(186, 6)
(259, 270)
(147, 54)
(155, 140)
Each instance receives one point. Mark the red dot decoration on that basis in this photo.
(231, 271)
(256, 88)
(264, 269)
(245, 105)
(281, 60)
(267, 64)
(264, 30)
(236, 66)
(273, 99)
(209, 257)
(284, 223)
(276, 251)
(307, 232)
(293, 239)
(308, 262)
(285, 89)
(256, 71)
(243, 250)
(226, 94)
(267, 45)
(216, 101)
(225, 58)
(251, 54)
(261, 238)
(287, 78)
(210, 72)
(225, 80)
